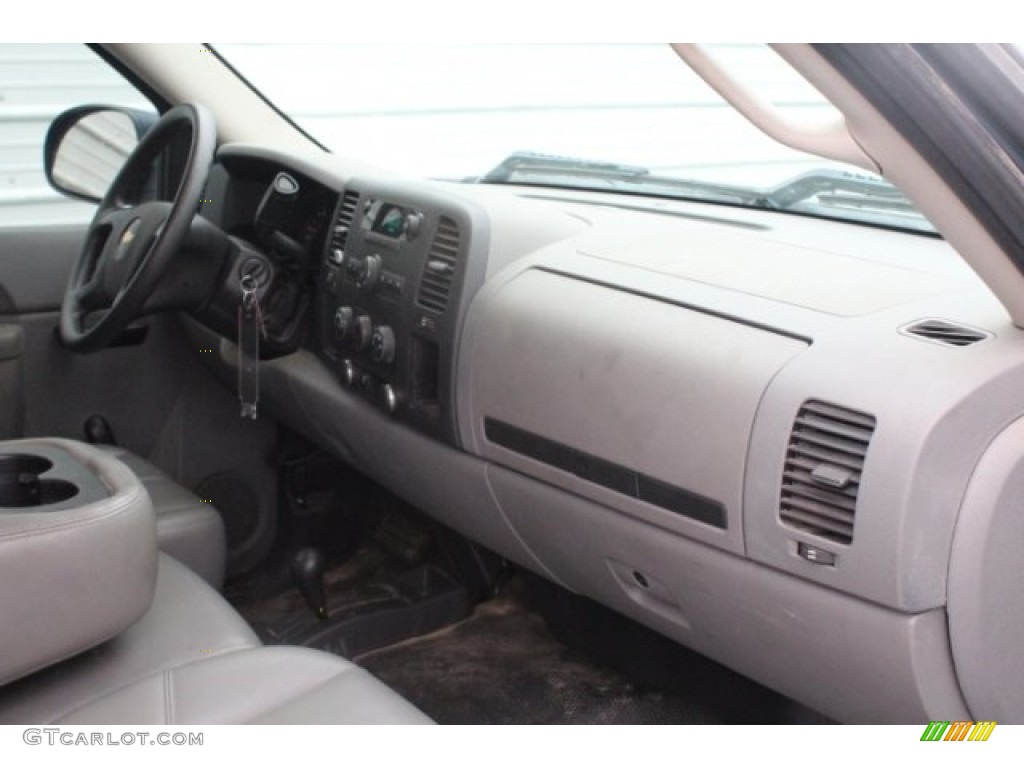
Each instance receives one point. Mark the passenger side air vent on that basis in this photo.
(439, 271)
(342, 225)
(947, 333)
(823, 468)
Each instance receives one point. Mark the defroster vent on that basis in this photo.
(439, 271)
(827, 449)
(945, 332)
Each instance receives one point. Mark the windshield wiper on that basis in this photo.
(824, 188)
(838, 189)
(556, 170)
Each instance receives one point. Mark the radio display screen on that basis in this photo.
(387, 219)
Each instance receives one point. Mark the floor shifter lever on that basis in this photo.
(308, 574)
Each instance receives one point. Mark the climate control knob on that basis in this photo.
(349, 373)
(362, 332)
(369, 272)
(382, 345)
(343, 319)
(388, 398)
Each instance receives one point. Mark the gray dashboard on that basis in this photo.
(784, 442)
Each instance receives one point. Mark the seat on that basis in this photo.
(187, 528)
(193, 659)
(101, 628)
(279, 685)
(186, 621)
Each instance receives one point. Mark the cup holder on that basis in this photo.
(23, 463)
(22, 486)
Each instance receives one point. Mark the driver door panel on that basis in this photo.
(44, 388)
(34, 266)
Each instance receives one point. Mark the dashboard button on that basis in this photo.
(815, 555)
(388, 398)
(343, 321)
(348, 373)
(369, 272)
(413, 223)
(285, 185)
(392, 282)
(362, 332)
(382, 346)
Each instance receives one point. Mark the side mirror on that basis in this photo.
(86, 147)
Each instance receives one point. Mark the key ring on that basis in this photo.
(248, 285)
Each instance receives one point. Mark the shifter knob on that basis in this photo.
(308, 574)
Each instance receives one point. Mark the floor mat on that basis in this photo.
(371, 604)
(503, 666)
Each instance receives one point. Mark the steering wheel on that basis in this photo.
(131, 242)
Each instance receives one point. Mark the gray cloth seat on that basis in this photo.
(193, 659)
(187, 621)
(281, 685)
(187, 528)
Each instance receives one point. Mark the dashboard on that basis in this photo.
(793, 445)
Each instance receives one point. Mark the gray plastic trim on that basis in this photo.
(986, 571)
(850, 659)
(36, 263)
(12, 342)
(445, 483)
(620, 335)
(655, 388)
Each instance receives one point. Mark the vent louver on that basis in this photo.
(944, 332)
(342, 225)
(821, 478)
(439, 271)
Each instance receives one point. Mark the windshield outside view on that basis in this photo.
(616, 117)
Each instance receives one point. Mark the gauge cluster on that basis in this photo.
(291, 221)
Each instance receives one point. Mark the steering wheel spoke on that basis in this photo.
(129, 248)
(113, 218)
(89, 295)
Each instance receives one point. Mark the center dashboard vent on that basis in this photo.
(439, 271)
(343, 223)
(821, 479)
(945, 332)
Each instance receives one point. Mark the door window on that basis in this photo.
(37, 82)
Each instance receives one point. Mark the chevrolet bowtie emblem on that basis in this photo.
(127, 238)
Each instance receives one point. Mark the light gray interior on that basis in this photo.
(162, 405)
(73, 575)
(682, 346)
(185, 622)
(187, 528)
(191, 658)
(985, 568)
(99, 629)
(631, 398)
(12, 396)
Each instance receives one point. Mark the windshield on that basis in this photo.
(625, 118)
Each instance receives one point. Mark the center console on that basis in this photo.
(77, 551)
(47, 479)
(394, 279)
